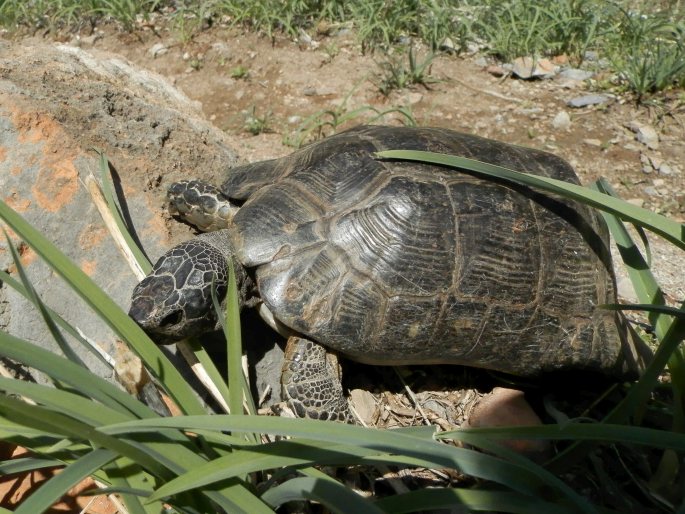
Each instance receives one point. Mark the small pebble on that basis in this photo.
(586, 100)
(562, 121)
(665, 169)
(576, 74)
(157, 49)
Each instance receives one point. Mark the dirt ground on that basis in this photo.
(244, 79)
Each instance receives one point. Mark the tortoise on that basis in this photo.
(392, 262)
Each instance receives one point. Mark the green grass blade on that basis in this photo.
(194, 345)
(234, 348)
(123, 476)
(71, 404)
(603, 432)
(21, 465)
(116, 211)
(52, 490)
(670, 328)
(336, 497)
(668, 229)
(639, 272)
(70, 373)
(676, 312)
(67, 350)
(108, 311)
(473, 500)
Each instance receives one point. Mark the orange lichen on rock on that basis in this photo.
(16, 202)
(57, 181)
(92, 235)
(88, 267)
(56, 185)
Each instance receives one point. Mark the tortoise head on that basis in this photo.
(175, 300)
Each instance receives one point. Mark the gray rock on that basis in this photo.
(449, 46)
(530, 68)
(625, 289)
(575, 74)
(587, 100)
(157, 49)
(646, 135)
(665, 169)
(52, 113)
(562, 121)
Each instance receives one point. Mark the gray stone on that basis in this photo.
(665, 169)
(625, 289)
(587, 100)
(448, 45)
(562, 121)
(157, 49)
(646, 135)
(575, 74)
(529, 68)
(52, 113)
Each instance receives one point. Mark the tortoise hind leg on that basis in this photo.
(200, 204)
(311, 382)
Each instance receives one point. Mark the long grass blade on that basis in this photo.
(56, 423)
(602, 432)
(668, 229)
(234, 348)
(70, 373)
(473, 500)
(123, 231)
(21, 465)
(336, 497)
(71, 404)
(67, 350)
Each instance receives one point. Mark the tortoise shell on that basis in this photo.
(391, 262)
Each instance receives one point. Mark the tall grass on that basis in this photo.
(645, 45)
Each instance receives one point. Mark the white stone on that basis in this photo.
(562, 121)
